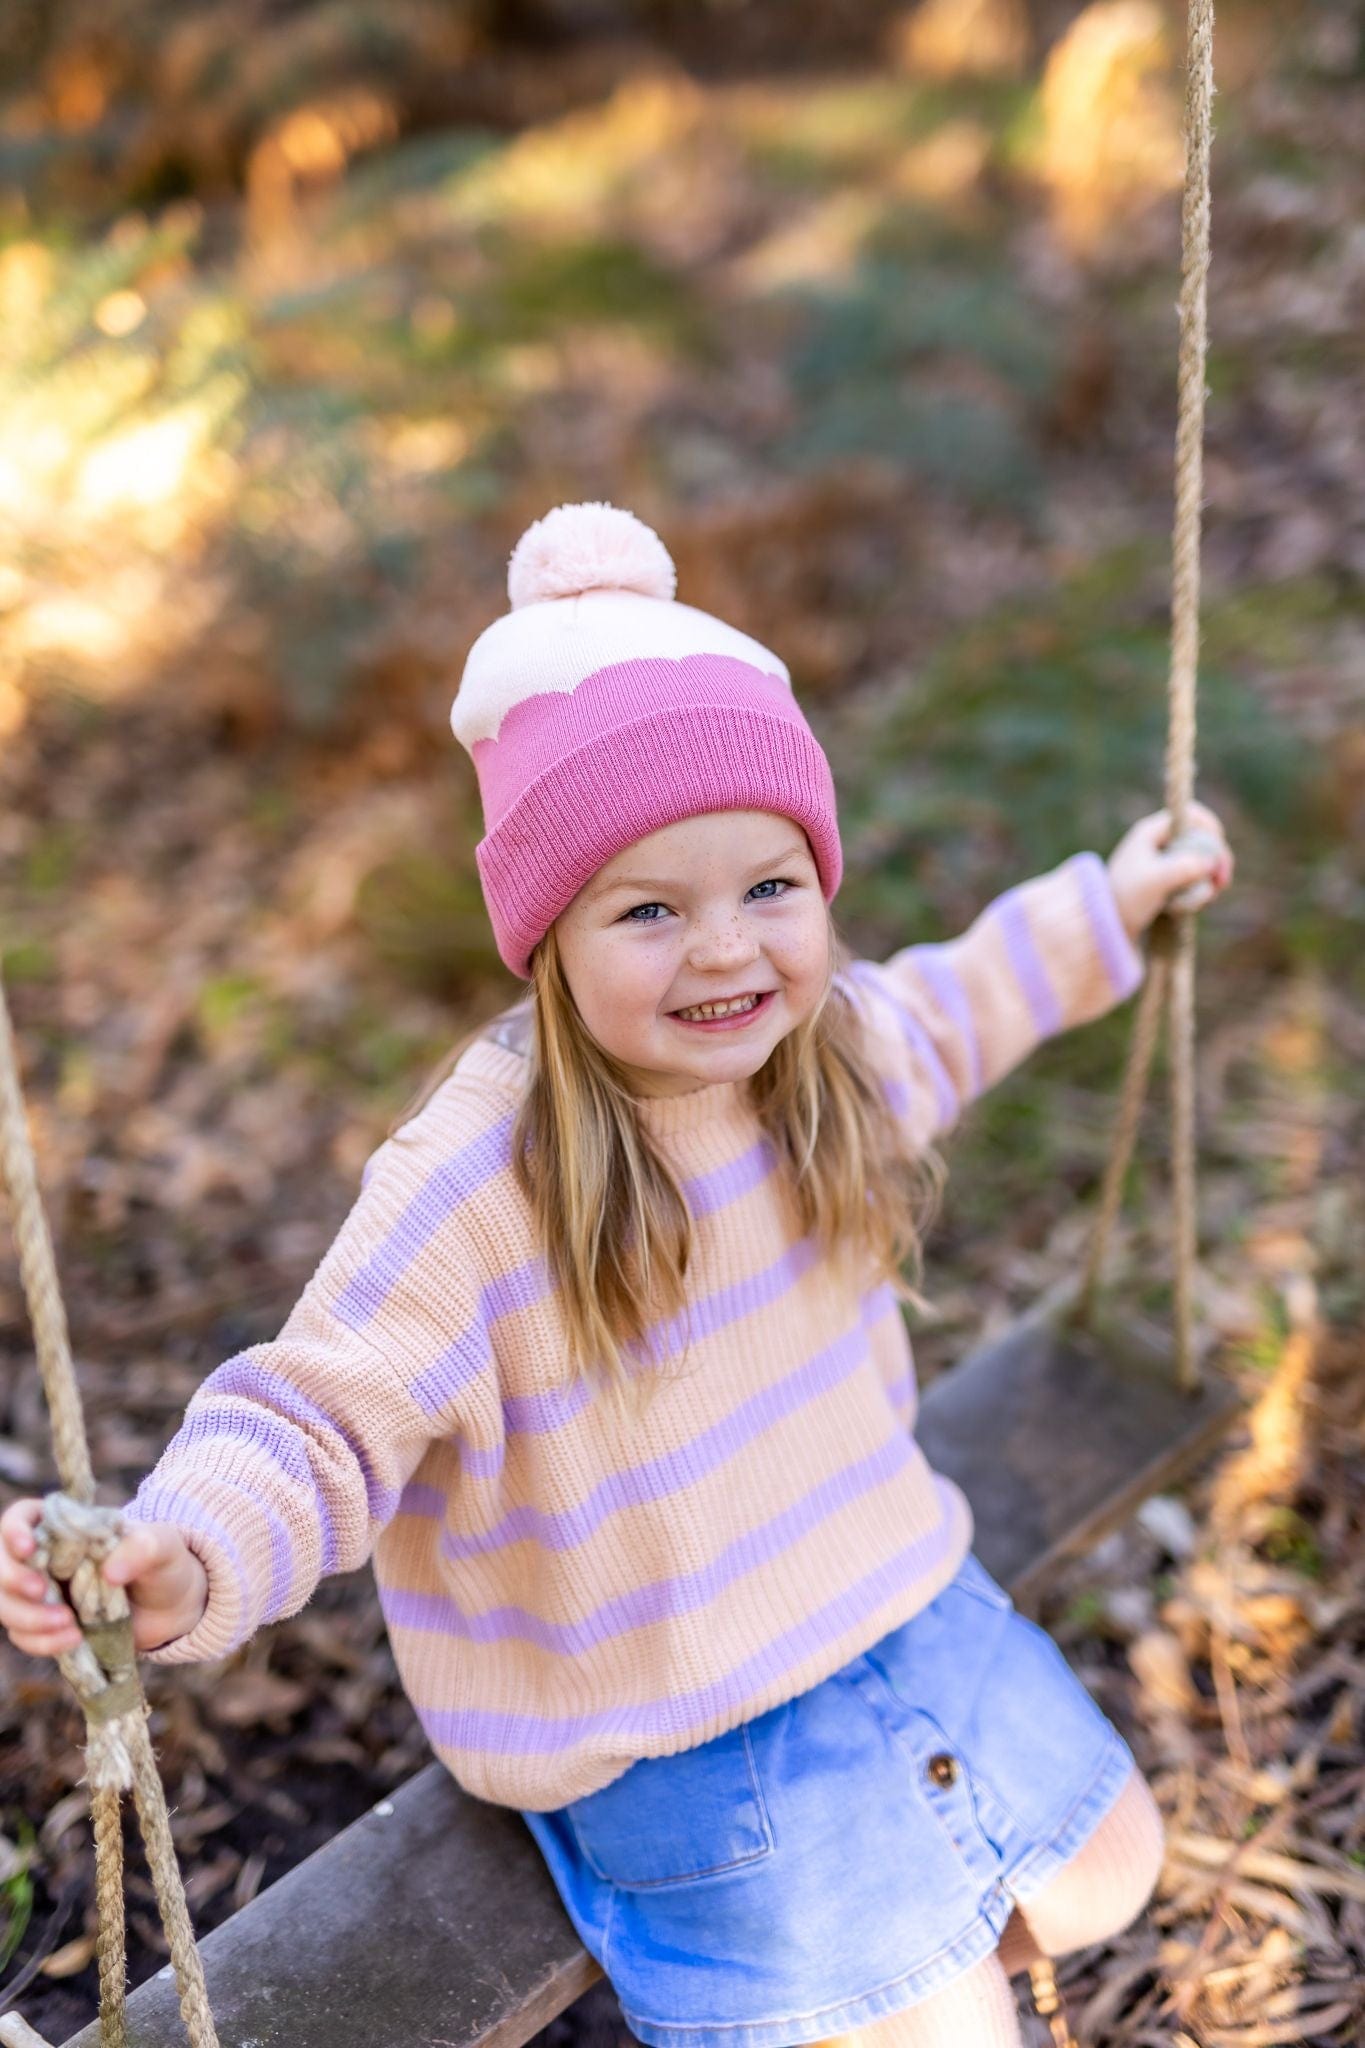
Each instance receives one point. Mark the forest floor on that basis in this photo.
(898, 387)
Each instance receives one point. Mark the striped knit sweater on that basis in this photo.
(566, 1591)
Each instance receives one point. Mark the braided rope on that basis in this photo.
(71, 1541)
(1170, 984)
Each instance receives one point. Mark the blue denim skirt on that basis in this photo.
(849, 1852)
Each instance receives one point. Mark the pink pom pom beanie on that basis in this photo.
(600, 709)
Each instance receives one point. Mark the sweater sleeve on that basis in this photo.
(293, 1454)
(948, 1021)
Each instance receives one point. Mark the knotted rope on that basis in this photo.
(1169, 986)
(72, 1540)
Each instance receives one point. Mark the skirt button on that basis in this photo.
(942, 1768)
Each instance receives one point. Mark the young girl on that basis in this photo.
(607, 1368)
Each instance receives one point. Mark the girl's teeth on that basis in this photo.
(703, 1010)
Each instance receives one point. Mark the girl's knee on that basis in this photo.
(1110, 1879)
(977, 2007)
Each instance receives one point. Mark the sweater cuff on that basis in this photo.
(1123, 963)
(221, 1537)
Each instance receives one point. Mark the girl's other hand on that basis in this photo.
(167, 1586)
(1145, 874)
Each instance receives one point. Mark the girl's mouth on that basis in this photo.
(731, 1015)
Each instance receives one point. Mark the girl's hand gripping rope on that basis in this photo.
(167, 1586)
(1150, 874)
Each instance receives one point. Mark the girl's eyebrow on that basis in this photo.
(638, 884)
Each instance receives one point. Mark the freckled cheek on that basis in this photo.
(632, 997)
(802, 966)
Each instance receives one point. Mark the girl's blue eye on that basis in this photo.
(638, 914)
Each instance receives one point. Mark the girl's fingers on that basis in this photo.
(17, 1524)
(45, 1646)
(35, 1617)
(1198, 817)
(141, 1550)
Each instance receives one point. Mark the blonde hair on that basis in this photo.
(611, 1215)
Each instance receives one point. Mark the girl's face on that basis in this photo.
(723, 909)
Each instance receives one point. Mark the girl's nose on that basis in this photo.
(725, 943)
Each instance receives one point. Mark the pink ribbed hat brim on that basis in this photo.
(574, 778)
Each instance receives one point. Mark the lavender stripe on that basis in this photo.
(902, 1397)
(520, 1288)
(530, 1413)
(454, 1369)
(898, 1096)
(258, 1429)
(677, 1714)
(729, 1183)
(658, 1477)
(550, 1409)
(477, 1463)
(664, 1599)
(240, 1375)
(417, 1498)
(471, 1353)
(556, 1406)
(728, 1304)
(941, 980)
(440, 1195)
(364, 1295)
(553, 1408)
(915, 1036)
(1009, 913)
(1123, 964)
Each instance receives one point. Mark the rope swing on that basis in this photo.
(75, 1535)
(72, 1540)
(1169, 985)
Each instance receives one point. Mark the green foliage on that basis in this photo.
(541, 288)
(423, 915)
(1264, 1350)
(1042, 727)
(418, 165)
(868, 369)
(1288, 1539)
(50, 860)
(16, 1893)
(27, 960)
(1085, 1612)
(224, 999)
(967, 447)
(900, 311)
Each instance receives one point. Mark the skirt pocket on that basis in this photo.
(671, 1819)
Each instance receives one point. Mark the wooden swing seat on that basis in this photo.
(432, 1919)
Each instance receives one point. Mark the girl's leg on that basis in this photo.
(977, 2010)
(1103, 1887)
(1101, 1890)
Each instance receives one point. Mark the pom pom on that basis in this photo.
(588, 547)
